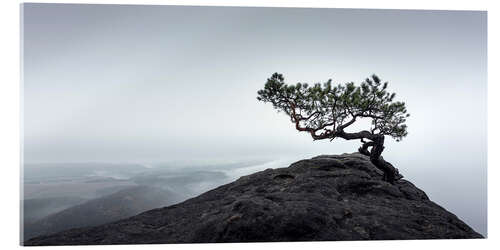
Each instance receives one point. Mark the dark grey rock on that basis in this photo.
(325, 198)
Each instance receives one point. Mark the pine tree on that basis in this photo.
(325, 111)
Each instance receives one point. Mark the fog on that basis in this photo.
(169, 84)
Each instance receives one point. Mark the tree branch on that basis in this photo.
(343, 126)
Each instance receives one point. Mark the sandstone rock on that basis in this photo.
(326, 198)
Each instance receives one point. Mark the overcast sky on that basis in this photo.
(161, 83)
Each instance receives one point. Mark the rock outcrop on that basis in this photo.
(326, 198)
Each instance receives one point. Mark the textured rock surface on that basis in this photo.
(324, 198)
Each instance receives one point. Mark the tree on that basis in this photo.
(325, 111)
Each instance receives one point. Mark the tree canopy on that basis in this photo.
(326, 110)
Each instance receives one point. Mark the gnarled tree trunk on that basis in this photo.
(391, 174)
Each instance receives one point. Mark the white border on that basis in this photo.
(363, 4)
(10, 121)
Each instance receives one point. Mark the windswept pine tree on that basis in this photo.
(325, 111)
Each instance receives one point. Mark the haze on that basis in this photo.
(145, 84)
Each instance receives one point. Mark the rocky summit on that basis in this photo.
(326, 198)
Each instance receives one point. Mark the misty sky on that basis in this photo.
(162, 83)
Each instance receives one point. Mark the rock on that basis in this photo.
(326, 198)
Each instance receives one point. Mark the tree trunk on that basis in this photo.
(391, 174)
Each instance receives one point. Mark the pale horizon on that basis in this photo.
(138, 83)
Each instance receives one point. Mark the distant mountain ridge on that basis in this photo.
(121, 204)
(328, 197)
(37, 208)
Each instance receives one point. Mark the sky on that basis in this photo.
(110, 83)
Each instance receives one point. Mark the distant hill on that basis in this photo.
(119, 205)
(329, 197)
(35, 209)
